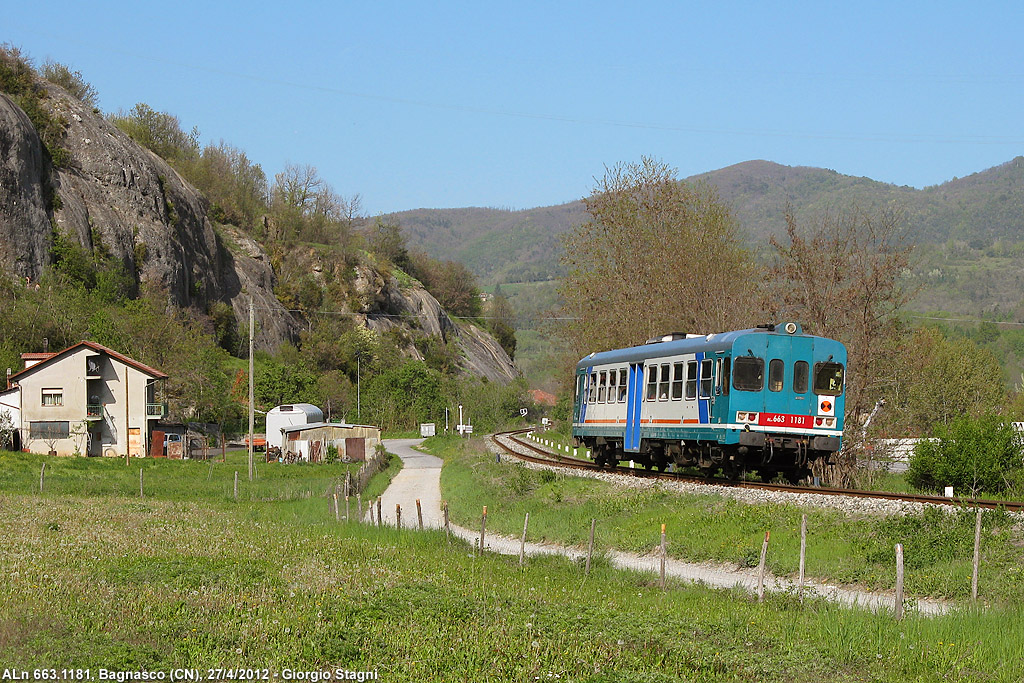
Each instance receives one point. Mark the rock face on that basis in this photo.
(385, 304)
(143, 212)
(117, 193)
(24, 223)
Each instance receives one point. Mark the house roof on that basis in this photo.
(99, 348)
(321, 425)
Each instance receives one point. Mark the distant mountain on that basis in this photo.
(523, 246)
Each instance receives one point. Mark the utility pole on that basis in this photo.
(359, 402)
(252, 413)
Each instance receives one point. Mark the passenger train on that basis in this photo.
(768, 399)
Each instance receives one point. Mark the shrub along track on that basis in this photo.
(547, 457)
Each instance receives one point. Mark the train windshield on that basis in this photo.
(828, 379)
(748, 373)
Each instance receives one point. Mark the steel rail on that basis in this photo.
(546, 457)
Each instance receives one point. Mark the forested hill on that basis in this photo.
(509, 246)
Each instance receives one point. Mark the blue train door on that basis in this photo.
(786, 390)
(634, 395)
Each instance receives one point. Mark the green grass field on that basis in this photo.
(856, 551)
(100, 578)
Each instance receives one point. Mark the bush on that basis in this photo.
(979, 454)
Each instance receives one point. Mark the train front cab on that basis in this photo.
(785, 406)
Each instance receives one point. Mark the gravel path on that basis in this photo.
(421, 478)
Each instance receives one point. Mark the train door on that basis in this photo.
(634, 408)
(580, 404)
(787, 372)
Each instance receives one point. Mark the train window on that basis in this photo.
(748, 373)
(592, 396)
(691, 379)
(800, 376)
(706, 380)
(664, 382)
(828, 379)
(776, 374)
(601, 387)
(725, 376)
(622, 385)
(678, 376)
(652, 382)
(612, 389)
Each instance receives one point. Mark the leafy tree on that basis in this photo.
(235, 186)
(655, 256)
(72, 81)
(18, 79)
(386, 240)
(935, 380)
(501, 322)
(160, 132)
(973, 453)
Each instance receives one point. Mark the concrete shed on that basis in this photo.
(290, 415)
(309, 442)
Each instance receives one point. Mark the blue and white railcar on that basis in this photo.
(768, 399)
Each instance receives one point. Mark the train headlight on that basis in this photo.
(741, 417)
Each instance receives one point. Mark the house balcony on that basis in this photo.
(155, 411)
(93, 412)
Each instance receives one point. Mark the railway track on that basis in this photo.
(545, 457)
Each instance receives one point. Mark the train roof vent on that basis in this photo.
(671, 336)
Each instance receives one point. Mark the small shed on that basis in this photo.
(289, 416)
(309, 442)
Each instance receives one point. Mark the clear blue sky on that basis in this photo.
(522, 104)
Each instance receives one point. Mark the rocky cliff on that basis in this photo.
(145, 214)
(116, 192)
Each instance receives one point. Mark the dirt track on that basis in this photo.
(421, 478)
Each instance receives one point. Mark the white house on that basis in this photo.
(84, 400)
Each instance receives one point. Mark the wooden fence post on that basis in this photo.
(977, 556)
(803, 555)
(522, 541)
(42, 477)
(398, 516)
(337, 514)
(663, 554)
(899, 581)
(141, 492)
(483, 529)
(236, 485)
(447, 528)
(359, 506)
(348, 509)
(419, 513)
(760, 567)
(590, 547)
(380, 517)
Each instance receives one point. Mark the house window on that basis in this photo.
(49, 430)
(53, 397)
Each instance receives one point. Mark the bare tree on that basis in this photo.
(657, 255)
(841, 279)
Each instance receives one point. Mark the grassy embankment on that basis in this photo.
(96, 577)
(938, 547)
